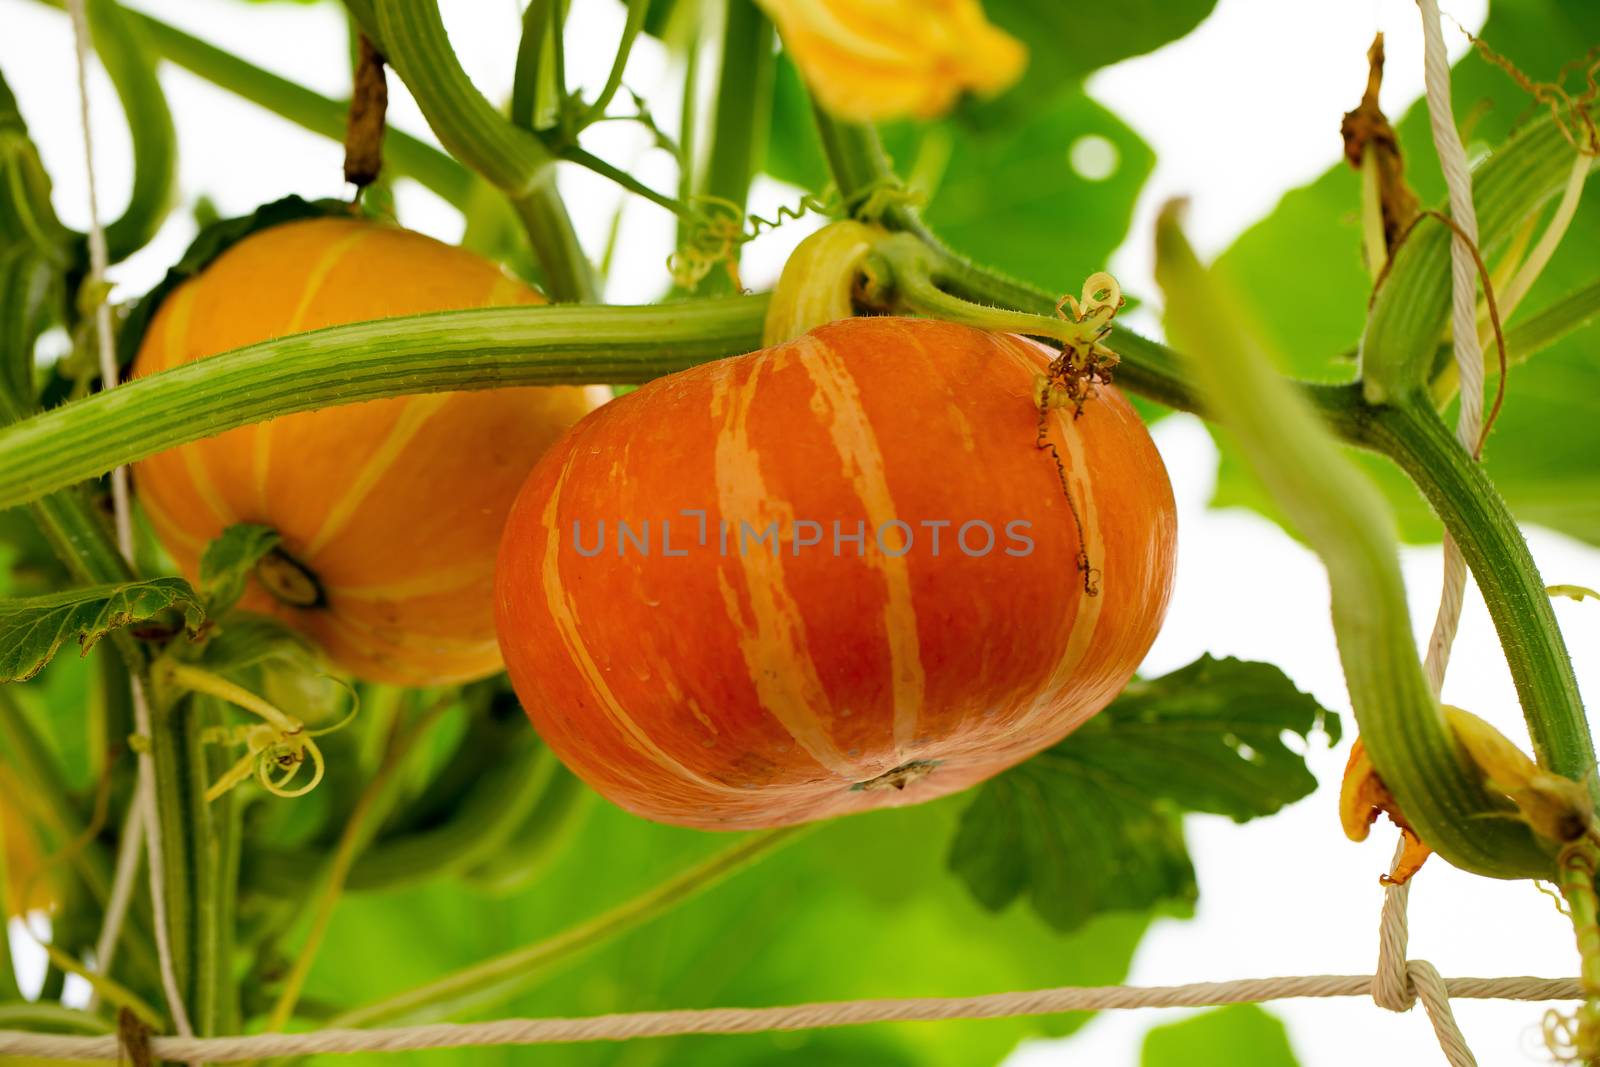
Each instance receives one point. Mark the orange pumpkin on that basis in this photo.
(389, 510)
(709, 678)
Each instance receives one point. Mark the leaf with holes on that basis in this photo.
(33, 628)
(1093, 824)
(226, 564)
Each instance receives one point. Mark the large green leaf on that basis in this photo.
(1006, 193)
(1012, 197)
(1068, 39)
(1242, 1035)
(862, 907)
(1092, 825)
(33, 628)
(1301, 269)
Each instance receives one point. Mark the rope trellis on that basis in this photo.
(1428, 985)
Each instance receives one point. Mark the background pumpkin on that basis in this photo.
(394, 506)
(723, 691)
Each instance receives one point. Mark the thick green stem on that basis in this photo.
(1413, 435)
(504, 976)
(568, 275)
(450, 351)
(416, 44)
(1341, 515)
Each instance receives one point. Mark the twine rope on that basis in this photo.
(1429, 986)
(1463, 318)
(144, 812)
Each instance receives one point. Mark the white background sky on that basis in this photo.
(1286, 895)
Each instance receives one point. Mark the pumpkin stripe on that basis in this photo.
(415, 415)
(863, 468)
(563, 616)
(161, 518)
(1085, 621)
(409, 639)
(772, 638)
(261, 459)
(427, 583)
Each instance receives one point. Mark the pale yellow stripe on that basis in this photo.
(415, 415)
(182, 305)
(400, 638)
(563, 613)
(262, 455)
(445, 580)
(1082, 486)
(862, 466)
(160, 517)
(773, 640)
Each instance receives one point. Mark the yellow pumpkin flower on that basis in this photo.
(867, 60)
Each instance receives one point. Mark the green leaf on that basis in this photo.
(1069, 39)
(1013, 198)
(1302, 267)
(33, 628)
(228, 561)
(1007, 194)
(1093, 824)
(1242, 1035)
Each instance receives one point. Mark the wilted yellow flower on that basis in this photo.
(883, 59)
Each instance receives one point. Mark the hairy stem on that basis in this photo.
(1477, 517)
(568, 275)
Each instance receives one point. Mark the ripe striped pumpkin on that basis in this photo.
(772, 687)
(393, 507)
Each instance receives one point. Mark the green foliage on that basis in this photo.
(1002, 188)
(227, 562)
(860, 907)
(1070, 39)
(1302, 267)
(33, 628)
(1241, 1035)
(1092, 824)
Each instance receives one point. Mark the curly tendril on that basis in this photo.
(277, 746)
